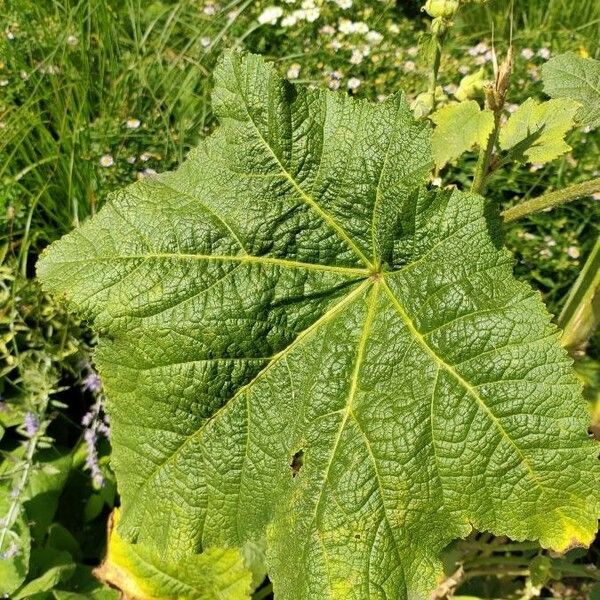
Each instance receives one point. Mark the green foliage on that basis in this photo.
(536, 131)
(459, 127)
(358, 375)
(577, 78)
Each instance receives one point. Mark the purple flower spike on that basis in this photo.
(92, 383)
(32, 424)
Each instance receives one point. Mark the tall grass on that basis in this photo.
(557, 21)
(76, 71)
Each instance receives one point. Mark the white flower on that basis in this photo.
(132, 123)
(145, 156)
(374, 37)
(270, 15)
(327, 30)
(72, 40)
(209, 9)
(511, 107)
(205, 42)
(381, 97)
(312, 14)
(357, 57)
(106, 161)
(344, 4)
(294, 71)
(131, 159)
(463, 69)
(527, 53)
(353, 83)
(544, 53)
(24, 75)
(334, 84)
(436, 182)
(361, 27)
(345, 26)
(335, 45)
(289, 21)
(409, 66)
(450, 89)
(573, 252)
(9, 35)
(596, 196)
(413, 51)
(3, 82)
(536, 167)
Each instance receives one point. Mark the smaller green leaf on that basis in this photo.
(577, 78)
(60, 538)
(51, 567)
(15, 549)
(536, 131)
(44, 489)
(540, 570)
(141, 573)
(459, 127)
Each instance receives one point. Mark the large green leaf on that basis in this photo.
(297, 340)
(571, 76)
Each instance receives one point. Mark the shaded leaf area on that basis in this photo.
(300, 342)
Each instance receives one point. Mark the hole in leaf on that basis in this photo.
(297, 462)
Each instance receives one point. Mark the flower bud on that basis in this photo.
(439, 26)
(441, 8)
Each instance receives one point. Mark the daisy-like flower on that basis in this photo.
(573, 252)
(3, 82)
(289, 21)
(344, 4)
(270, 15)
(353, 83)
(409, 66)
(374, 37)
(294, 71)
(209, 9)
(205, 42)
(357, 57)
(106, 161)
(544, 53)
(9, 34)
(132, 123)
(527, 53)
(72, 40)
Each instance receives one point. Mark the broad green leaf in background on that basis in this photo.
(577, 78)
(536, 131)
(459, 127)
(299, 341)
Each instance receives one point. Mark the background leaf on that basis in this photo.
(459, 127)
(536, 131)
(577, 78)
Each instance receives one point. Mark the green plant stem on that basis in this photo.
(19, 488)
(552, 199)
(581, 313)
(485, 158)
(435, 70)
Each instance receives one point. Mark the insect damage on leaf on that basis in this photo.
(293, 285)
